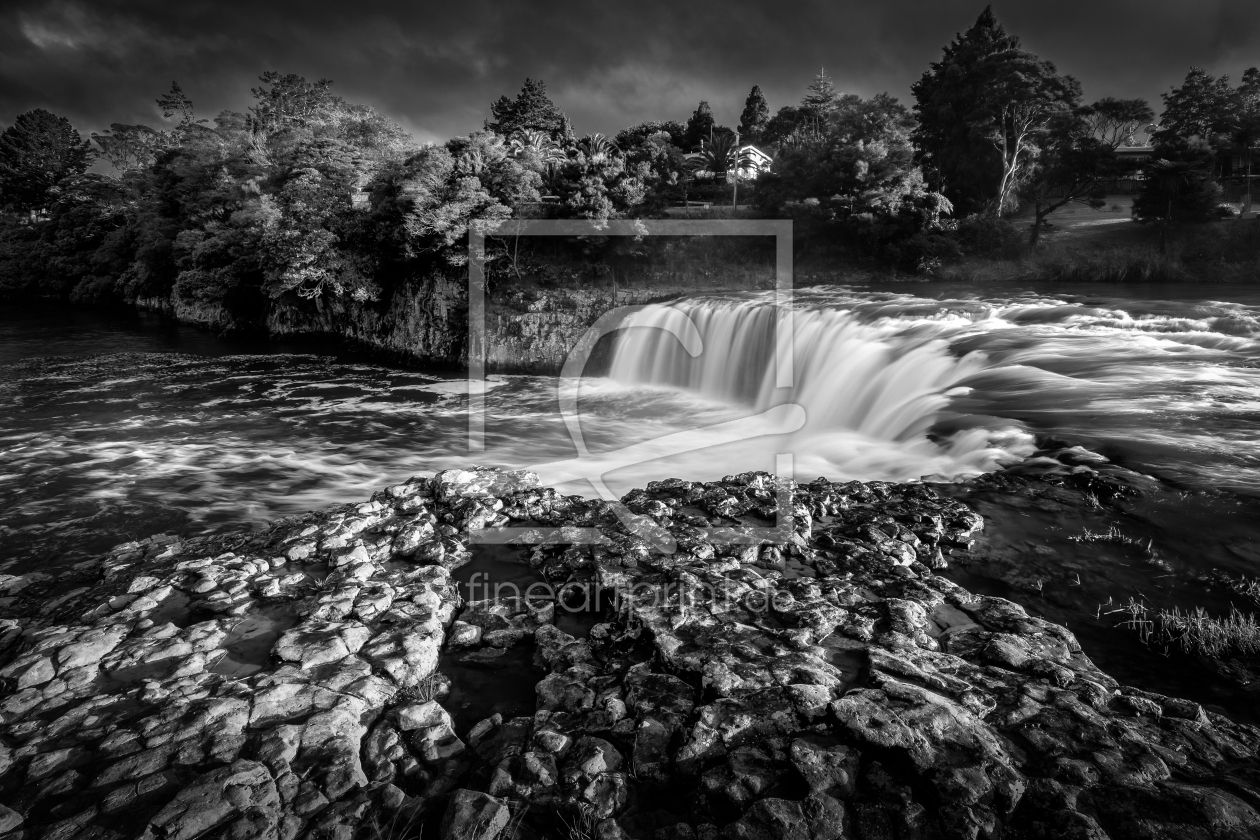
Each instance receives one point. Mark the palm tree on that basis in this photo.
(540, 143)
(720, 156)
(597, 148)
(547, 151)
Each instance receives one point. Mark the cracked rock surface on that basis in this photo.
(818, 680)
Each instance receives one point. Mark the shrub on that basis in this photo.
(988, 236)
(925, 252)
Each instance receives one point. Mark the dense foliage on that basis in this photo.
(756, 114)
(848, 178)
(38, 153)
(304, 196)
(985, 111)
(307, 197)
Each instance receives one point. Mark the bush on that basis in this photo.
(925, 252)
(1233, 242)
(987, 236)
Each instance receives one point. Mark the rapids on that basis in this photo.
(114, 426)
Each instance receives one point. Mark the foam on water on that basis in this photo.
(96, 449)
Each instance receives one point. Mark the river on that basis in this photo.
(117, 425)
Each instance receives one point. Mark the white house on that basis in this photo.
(758, 161)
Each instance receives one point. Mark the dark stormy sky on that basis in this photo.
(435, 67)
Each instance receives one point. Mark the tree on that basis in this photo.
(1203, 106)
(1246, 132)
(301, 250)
(1179, 186)
(537, 147)
(752, 122)
(1078, 156)
(597, 184)
(961, 161)
(983, 112)
(1247, 137)
(630, 137)
(37, 153)
(290, 100)
(821, 97)
(531, 110)
(782, 124)
(130, 148)
(852, 179)
(176, 103)
(1023, 94)
(1116, 122)
(719, 158)
(699, 127)
(597, 148)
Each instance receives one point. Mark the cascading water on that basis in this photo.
(95, 447)
(870, 392)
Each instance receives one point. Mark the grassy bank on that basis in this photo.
(1081, 246)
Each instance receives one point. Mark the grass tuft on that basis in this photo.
(1247, 587)
(1113, 535)
(1197, 632)
(1192, 631)
(583, 825)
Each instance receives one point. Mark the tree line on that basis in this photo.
(311, 197)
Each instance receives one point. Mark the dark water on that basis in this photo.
(114, 426)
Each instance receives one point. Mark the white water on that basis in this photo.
(95, 448)
(896, 386)
(870, 394)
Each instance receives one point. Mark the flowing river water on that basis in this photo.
(114, 426)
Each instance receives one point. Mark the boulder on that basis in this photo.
(472, 815)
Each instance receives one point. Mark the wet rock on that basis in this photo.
(828, 685)
(321, 642)
(10, 820)
(240, 801)
(480, 483)
(820, 818)
(473, 815)
(826, 765)
(432, 733)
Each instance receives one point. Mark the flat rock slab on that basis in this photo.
(823, 680)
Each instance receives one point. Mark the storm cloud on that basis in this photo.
(436, 67)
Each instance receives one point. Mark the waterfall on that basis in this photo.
(865, 396)
(872, 379)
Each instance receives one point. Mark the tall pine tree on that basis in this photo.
(822, 98)
(752, 123)
(964, 165)
(984, 111)
(699, 127)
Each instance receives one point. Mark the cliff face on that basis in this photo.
(528, 329)
(423, 321)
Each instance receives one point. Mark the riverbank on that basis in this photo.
(533, 320)
(334, 675)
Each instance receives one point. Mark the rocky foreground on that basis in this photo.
(289, 683)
